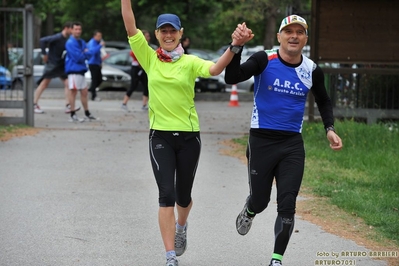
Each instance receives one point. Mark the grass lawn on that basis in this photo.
(362, 179)
(9, 129)
(12, 131)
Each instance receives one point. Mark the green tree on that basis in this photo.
(209, 23)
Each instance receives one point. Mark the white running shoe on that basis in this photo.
(91, 118)
(275, 263)
(181, 241)
(172, 262)
(75, 119)
(244, 221)
(37, 109)
(124, 107)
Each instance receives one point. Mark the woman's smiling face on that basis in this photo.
(168, 37)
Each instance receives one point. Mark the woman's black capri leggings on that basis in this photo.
(174, 158)
(137, 75)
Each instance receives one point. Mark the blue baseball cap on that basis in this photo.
(171, 19)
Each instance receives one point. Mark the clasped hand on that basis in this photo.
(241, 35)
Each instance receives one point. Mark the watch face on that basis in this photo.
(235, 49)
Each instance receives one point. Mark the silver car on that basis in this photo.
(244, 86)
(113, 78)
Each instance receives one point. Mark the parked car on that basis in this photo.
(222, 49)
(117, 44)
(244, 86)
(120, 59)
(211, 84)
(14, 53)
(5, 78)
(204, 53)
(113, 78)
(105, 51)
(123, 61)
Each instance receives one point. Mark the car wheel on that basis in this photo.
(17, 85)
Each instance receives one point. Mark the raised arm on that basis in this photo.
(128, 17)
(240, 36)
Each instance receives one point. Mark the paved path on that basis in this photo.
(84, 194)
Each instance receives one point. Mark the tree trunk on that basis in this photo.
(270, 28)
(50, 24)
(37, 31)
(3, 43)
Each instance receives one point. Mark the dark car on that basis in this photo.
(214, 83)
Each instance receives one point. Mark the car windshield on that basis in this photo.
(121, 58)
(37, 58)
(204, 54)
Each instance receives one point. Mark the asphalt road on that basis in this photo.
(84, 194)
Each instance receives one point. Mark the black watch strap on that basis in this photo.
(236, 49)
(330, 128)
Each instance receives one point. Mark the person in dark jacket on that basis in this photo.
(137, 75)
(75, 68)
(185, 43)
(54, 64)
(95, 62)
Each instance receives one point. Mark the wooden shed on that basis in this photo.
(355, 31)
(360, 33)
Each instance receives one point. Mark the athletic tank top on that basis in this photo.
(280, 94)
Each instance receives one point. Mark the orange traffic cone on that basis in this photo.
(234, 96)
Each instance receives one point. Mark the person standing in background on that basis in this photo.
(137, 75)
(54, 64)
(75, 68)
(95, 44)
(185, 43)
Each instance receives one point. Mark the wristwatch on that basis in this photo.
(236, 48)
(330, 128)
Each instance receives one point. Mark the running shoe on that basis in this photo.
(68, 109)
(75, 118)
(124, 107)
(275, 263)
(37, 109)
(244, 221)
(172, 262)
(91, 118)
(144, 107)
(181, 241)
